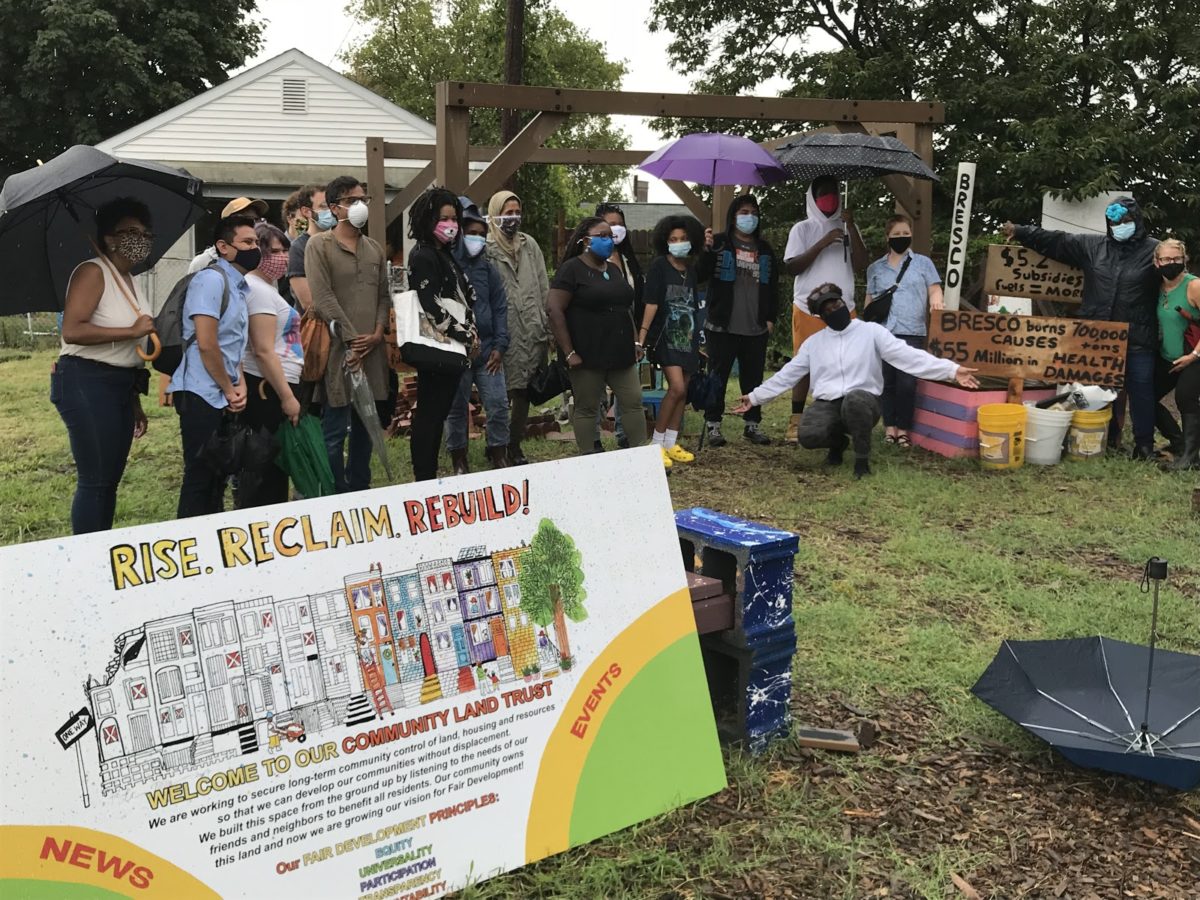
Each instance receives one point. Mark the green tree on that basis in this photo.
(552, 576)
(1073, 97)
(80, 71)
(414, 44)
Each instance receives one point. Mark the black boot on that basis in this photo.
(1168, 428)
(861, 467)
(1143, 451)
(498, 457)
(458, 459)
(1190, 457)
(515, 456)
(835, 455)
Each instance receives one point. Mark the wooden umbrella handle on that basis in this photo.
(155, 343)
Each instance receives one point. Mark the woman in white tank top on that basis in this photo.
(98, 375)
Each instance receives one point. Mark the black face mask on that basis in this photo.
(248, 259)
(899, 244)
(1170, 271)
(837, 319)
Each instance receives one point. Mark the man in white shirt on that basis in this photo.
(822, 248)
(243, 206)
(845, 363)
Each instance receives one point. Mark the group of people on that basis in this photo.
(249, 295)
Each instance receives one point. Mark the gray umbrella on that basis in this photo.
(847, 156)
(47, 219)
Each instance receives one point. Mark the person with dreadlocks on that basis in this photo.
(435, 223)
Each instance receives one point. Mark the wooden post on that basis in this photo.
(453, 139)
(1016, 389)
(923, 213)
(377, 188)
(514, 60)
(722, 196)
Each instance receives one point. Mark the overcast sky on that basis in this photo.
(322, 29)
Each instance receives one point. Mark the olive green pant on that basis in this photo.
(587, 385)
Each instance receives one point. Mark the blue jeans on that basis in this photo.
(96, 402)
(493, 393)
(1139, 385)
(335, 422)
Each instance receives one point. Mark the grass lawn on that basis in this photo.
(905, 584)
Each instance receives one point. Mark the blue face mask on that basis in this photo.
(601, 247)
(326, 219)
(747, 224)
(474, 244)
(681, 249)
(1124, 231)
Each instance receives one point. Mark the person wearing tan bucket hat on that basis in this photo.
(238, 206)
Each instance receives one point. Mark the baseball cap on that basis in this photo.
(822, 295)
(470, 210)
(245, 206)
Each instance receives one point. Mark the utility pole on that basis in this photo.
(514, 73)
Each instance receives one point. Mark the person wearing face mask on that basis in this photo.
(626, 260)
(913, 283)
(742, 273)
(1178, 307)
(96, 380)
(668, 325)
(347, 279)
(239, 206)
(522, 267)
(487, 368)
(1120, 284)
(845, 361)
(591, 313)
(274, 359)
(209, 381)
(435, 222)
(824, 247)
(312, 209)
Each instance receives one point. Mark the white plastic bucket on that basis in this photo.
(1045, 431)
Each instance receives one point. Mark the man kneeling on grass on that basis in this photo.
(845, 365)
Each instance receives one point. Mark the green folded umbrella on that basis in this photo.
(302, 455)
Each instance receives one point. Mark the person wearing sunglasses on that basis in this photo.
(1120, 284)
(844, 364)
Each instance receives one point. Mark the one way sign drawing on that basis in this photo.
(77, 726)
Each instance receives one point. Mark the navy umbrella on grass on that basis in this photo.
(1105, 704)
(47, 219)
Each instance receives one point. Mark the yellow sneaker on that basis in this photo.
(793, 430)
(665, 457)
(678, 454)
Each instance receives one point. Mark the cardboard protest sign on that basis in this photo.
(1032, 347)
(383, 694)
(1014, 271)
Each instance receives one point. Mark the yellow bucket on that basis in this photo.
(1088, 434)
(1001, 435)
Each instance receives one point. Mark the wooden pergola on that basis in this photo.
(912, 122)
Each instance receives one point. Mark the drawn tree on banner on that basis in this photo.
(551, 582)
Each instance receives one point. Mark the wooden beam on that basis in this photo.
(376, 212)
(465, 94)
(450, 155)
(406, 195)
(690, 198)
(570, 156)
(723, 195)
(508, 160)
(923, 217)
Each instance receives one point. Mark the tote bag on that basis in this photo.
(421, 345)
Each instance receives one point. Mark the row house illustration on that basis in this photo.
(522, 639)
(369, 615)
(479, 599)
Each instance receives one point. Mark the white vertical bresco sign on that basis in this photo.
(960, 226)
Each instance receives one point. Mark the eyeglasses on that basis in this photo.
(1169, 259)
(350, 201)
(137, 232)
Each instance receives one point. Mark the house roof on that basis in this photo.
(269, 67)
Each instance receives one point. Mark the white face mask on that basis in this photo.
(357, 214)
(619, 233)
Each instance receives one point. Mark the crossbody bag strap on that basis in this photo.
(903, 268)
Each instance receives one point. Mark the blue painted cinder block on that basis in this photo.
(749, 668)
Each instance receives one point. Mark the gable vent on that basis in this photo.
(295, 95)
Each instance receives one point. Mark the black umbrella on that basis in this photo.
(46, 219)
(847, 156)
(1105, 704)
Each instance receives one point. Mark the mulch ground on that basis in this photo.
(1035, 826)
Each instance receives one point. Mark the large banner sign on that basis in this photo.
(1042, 349)
(386, 694)
(1014, 271)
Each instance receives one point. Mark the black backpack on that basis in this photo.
(169, 322)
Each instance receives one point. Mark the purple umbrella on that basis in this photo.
(714, 159)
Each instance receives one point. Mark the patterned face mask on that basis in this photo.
(133, 246)
(273, 266)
